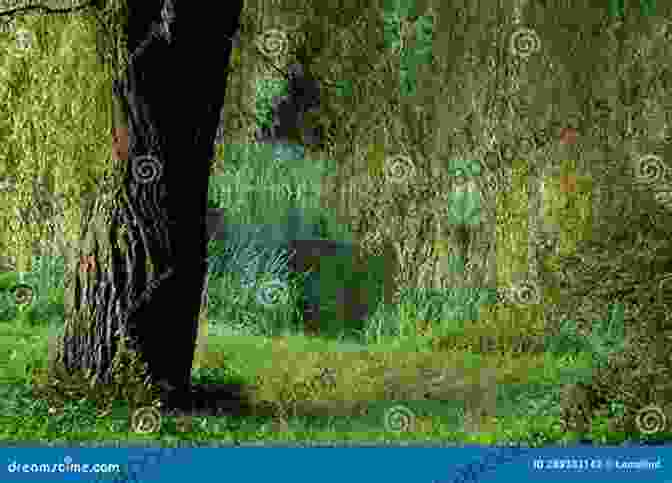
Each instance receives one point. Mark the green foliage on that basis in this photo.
(420, 54)
(343, 88)
(412, 56)
(266, 91)
(46, 284)
(607, 337)
(401, 8)
(392, 28)
(259, 183)
(250, 287)
(617, 8)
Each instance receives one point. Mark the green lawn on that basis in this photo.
(369, 392)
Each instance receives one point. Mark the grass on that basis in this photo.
(359, 387)
(322, 389)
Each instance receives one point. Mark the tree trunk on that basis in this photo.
(143, 254)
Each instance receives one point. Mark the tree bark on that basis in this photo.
(143, 253)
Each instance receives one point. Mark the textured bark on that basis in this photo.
(143, 253)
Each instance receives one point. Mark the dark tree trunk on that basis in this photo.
(144, 248)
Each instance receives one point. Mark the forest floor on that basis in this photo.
(316, 390)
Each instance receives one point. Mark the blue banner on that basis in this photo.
(337, 464)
